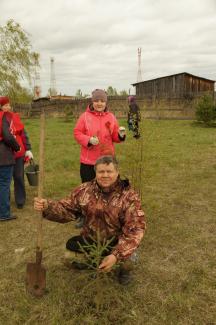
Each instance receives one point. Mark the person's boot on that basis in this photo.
(11, 217)
(136, 136)
(125, 273)
(73, 260)
(80, 222)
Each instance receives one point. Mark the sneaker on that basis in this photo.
(136, 136)
(11, 217)
(79, 265)
(124, 277)
(73, 260)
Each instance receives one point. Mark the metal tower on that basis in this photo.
(36, 78)
(53, 90)
(139, 73)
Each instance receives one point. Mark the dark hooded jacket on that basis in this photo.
(8, 143)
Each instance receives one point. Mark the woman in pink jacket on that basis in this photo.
(96, 130)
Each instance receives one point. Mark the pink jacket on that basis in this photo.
(101, 124)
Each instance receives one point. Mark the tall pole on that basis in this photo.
(53, 90)
(139, 73)
(36, 78)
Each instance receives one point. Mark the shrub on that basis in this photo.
(68, 110)
(206, 109)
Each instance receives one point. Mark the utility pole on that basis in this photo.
(53, 90)
(139, 73)
(36, 78)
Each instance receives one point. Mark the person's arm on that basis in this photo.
(25, 140)
(116, 133)
(138, 113)
(61, 211)
(80, 132)
(8, 138)
(133, 227)
(27, 145)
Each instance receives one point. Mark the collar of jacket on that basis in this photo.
(117, 186)
(91, 110)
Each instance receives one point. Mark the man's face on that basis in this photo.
(6, 107)
(99, 105)
(106, 175)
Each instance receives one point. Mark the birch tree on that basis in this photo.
(17, 60)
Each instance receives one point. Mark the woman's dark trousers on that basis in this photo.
(6, 173)
(19, 183)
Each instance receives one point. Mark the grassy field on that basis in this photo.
(175, 275)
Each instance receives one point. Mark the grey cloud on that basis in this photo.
(94, 42)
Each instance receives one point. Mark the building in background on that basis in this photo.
(182, 85)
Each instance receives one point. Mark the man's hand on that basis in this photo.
(40, 204)
(107, 263)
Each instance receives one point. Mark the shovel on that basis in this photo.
(35, 272)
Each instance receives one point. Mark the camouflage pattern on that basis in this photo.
(134, 117)
(116, 213)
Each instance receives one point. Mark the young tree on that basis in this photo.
(123, 93)
(78, 93)
(111, 91)
(16, 59)
(206, 109)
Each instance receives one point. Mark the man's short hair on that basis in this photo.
(106, 160)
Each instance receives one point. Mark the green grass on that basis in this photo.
(175, 275)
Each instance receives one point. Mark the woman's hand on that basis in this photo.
(94, 140)
(29, 154)
(122, 131)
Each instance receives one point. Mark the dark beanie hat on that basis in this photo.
(99, 94)
(4, 100)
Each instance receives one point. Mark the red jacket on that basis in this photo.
(101, 124)
(16, 129)
(1, 117)
(8, 143)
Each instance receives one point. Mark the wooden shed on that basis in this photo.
(182, 85)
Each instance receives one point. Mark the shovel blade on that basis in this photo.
(35, 279)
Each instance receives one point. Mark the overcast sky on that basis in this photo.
(94, 42)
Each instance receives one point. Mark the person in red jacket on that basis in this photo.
(8, 145)
(96, 130)
(24, 153)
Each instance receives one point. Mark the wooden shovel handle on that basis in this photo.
(41, 176)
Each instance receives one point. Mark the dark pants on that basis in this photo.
(6, 173)
(19, 183)
(87, 172)
(74, 243)
(133, 124)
